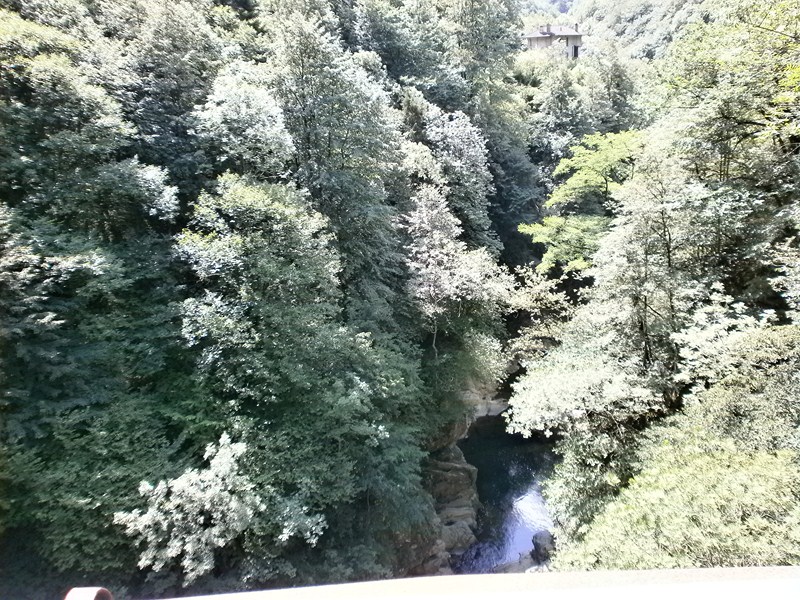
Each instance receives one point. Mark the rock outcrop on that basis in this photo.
(481, 400)
(451, 481)
(436, 563)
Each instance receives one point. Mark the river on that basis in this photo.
(511, 470)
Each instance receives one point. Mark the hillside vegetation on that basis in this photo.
(673, 381)
(252, 251)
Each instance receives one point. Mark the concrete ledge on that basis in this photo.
(680, 584)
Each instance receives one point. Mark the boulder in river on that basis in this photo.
(543, 546)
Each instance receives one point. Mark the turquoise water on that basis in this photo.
(510, 473)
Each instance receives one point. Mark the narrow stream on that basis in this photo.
(510, 472)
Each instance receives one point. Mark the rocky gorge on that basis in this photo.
(488, 502)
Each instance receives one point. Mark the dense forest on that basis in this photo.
(252, 251)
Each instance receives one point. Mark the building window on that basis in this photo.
(575, 52)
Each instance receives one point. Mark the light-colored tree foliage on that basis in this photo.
(698, 507)
(346, 137)
(448, 279)
(244, 119)
(191, 516)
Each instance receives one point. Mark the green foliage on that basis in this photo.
(701, 505)
(486, 36)
(69, 135)
(4, 505)
(609, 87)
(244, 121)
(69, 515)
(84, 357)
(90, 333)
(415, 46)
(27, 39)
(345, 138)
(307, 390)
(166, 89)
(558, 118)
(583, 384)
(266, 263)
(461, 149)
(594, 466)
(650, 272)
(288, 312)
(346, 176)
(752, 397)
(517, 185)
(571, 241)
(548, 309)
(191, 516)
(644, 28)
(597, 167)
(718, 85)
(447, 279)
(717, 482)
(544, 6)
